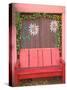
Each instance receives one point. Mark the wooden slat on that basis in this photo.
(39, 75)
(28, 39)
(39, 56)
(24, 58)
(33, 57)
(46, 57)
(55, 56)
(37, 37)
(40, 70)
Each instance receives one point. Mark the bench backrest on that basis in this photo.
(39, 57)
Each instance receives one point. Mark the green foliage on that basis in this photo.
(58, 35)
(34, 16)
(18, 27)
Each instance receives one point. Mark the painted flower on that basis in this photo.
(53, 26)
(33, 29)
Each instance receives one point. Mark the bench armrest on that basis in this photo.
(62, 62)
(17, 64)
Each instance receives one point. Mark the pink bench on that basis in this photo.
(39, 62)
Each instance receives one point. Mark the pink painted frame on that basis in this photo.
(35, 8)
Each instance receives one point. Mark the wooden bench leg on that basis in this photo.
(17, 81)
(63, 73)
(62, 63)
